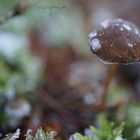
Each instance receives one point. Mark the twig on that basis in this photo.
(56, 106)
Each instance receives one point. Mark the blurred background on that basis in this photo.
(48, 76)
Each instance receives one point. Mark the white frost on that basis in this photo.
(105, 24)
(121, 28)
(96, 44)
(93, 34)
(130, 45)
(127, 27)
(137, 31)
(13, 136)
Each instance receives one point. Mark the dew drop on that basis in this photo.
(95, 44)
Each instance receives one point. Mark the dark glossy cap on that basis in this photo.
(116, 41)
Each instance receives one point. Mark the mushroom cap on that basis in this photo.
(116, 41)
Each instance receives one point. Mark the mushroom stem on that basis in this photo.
(107, 82)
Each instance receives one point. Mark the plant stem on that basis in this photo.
(107, 83)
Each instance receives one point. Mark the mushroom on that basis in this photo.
(116, 41)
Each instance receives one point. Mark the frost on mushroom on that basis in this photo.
(116, 41)
(96, 44)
